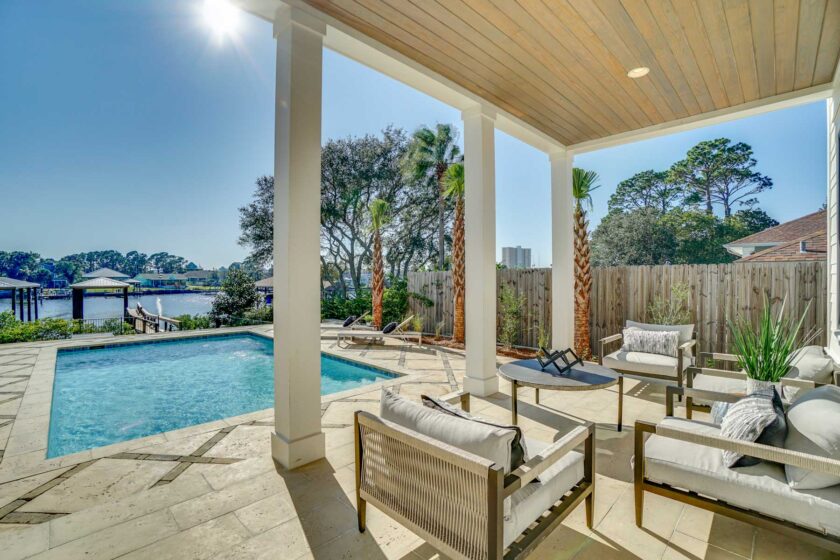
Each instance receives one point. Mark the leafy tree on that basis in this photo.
(754, 220)
(378, 219)
(583, 183)
(238, 295)
(719, 172)
(166, 264)
(454, 181)
(429, 155)
(647, 189)
(698, 236)
(256, 222)
(632, 238)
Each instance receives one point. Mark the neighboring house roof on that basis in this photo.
(200, 273)
(153, 276)
(99, 283)
(266, 282)
(105, 273)
(814, 249)
(9, 283)
(788, 231)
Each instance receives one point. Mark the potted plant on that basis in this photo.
(765, 351)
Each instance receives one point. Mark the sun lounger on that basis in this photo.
(399, 333)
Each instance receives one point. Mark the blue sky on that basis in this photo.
(117, 112)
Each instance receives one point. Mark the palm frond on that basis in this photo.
(583, 183)
(453, 181)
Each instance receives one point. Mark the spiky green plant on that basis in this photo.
(765, 350)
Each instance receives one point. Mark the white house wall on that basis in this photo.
(833, 107)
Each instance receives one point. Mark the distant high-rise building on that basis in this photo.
(516, 257)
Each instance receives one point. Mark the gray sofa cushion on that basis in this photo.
(664, 343)
(642, 363)
(686, 331)
(810, 363)
(814, 428)
(761, 488)
(518, 451)
(532, 500)
(491, 442)
(717, 384)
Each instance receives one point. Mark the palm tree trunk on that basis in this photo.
(458, 271)
(441, 169)
(378, 281)
(583, 284)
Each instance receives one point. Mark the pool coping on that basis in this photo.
(26, 447)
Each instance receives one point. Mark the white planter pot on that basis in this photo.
(755, 386)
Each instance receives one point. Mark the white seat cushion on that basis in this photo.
(532, 500)
(641, 362)
(762, 488)
(711, 382)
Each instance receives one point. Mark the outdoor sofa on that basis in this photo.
(648, 364)
(810, 367)
(682, 459)
(450, 478)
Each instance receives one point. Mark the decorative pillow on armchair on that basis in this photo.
(756, 418)
(814, 428)
(650, 342)
(686, 331)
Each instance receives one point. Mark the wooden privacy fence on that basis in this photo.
(716, 292)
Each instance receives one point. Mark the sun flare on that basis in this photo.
(221, 17)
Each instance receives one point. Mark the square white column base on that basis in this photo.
(294, 454)
(481, 386)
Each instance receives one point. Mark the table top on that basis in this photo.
(582, 377)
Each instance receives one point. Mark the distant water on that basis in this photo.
(108, 307)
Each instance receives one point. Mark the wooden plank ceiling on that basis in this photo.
(561, 65)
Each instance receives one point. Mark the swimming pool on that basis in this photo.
(116, 393)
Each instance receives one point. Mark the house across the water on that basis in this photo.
(172, 280)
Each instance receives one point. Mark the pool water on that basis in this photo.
(116, 393)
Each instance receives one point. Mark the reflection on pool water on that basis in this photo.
(116, 393)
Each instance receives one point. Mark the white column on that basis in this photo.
(562, 250)
(297, 439)
(480, 248)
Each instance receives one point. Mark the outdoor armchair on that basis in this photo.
(464, 504)
(682, 459)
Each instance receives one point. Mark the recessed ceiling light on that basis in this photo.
(639, 72)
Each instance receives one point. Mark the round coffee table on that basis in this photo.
(582, 377)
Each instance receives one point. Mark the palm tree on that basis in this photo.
(583, 183)
(454, 181)
(429, 155)
(378, 218)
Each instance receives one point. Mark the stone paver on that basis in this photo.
(113, 503)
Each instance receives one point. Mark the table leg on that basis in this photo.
(538, 396)
(620, 399)
(513, 407)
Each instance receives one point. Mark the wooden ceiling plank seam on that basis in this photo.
(553, 86)
(622, 23)
(625, 97)
(650, 30)
(677, 42)
(761, 20)
(588, 86)
(481, 55)
(351, 19)
(714, 21)
(595, 20)
(592, 44)
(829, 50)
(436, 52)
(786, 22)
(811, 14)
(737, 14)
(691, 21)
(581, 99)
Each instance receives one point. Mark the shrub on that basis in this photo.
(238, 296)
(193, 322)
(12, 330)
(674, 309)
(510, 308)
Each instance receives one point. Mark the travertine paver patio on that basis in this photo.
(213, 491)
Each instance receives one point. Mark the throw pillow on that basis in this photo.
(812, 364)
(518, 453)
(349, 321)
(651, 342)
(686, 331)
(748, 419)
(814, 428)
(490, 442)
(389, 327)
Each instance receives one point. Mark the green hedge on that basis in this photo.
(12, 330)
